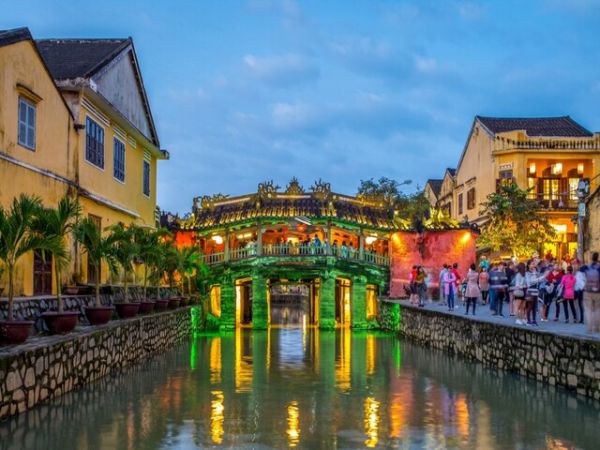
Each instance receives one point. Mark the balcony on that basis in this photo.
(555, 202)
(297, 251)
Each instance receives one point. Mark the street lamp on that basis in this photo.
(583, 189)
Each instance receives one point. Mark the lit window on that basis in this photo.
(371, 303)
(215, 301)
(146, 181)
(118, 160)
(460, 204)
(94, 143)
(26, 124)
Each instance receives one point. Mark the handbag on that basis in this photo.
(549, 288)
(519, 293)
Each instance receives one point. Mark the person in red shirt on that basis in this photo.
(458, 281)
(554, 278)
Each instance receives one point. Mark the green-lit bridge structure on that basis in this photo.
(294, 257)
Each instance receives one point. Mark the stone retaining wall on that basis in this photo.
(31, 308)
(570, 362)
(47, 367)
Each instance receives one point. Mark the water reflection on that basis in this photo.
(308, 389)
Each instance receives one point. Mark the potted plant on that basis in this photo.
(98, 249)
(17, 237)
(125, 250)
(56, 224)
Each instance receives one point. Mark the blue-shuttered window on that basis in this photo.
(146, 183)
(119, 160)
(94, 143)
(26, 124)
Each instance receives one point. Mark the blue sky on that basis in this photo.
(247, 91)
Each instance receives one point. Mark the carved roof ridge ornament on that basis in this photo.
(209, 201)
(294, 187)
(321, 190)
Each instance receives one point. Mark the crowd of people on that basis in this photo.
(540, 289)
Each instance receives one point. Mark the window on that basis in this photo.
(146, 181)
(118, 160)
(26, 124)
(532, 188)
(460, 204)
(506, 178)
(471, 198)
(371, 303)
(94, 143)
(573, 185)
(215, 300)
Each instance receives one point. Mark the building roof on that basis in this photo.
(451, 171)
(79, 58)
(8, 37)
(435, 185)
(562, 126)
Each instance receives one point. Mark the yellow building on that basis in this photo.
(546, 155)
(74, 117)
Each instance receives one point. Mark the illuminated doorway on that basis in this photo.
(293, 303)
(343, 289)
(243, 301)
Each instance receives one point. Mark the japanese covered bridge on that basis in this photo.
(294, 257)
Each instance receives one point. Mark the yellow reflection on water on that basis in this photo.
(215, 360)
(370, 357)
(243, 365)
(293, 421)
(462, 415)
(371, 422)
(344, 362)
(217, 417)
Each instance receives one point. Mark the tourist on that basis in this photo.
(532, 278)
(351, 251)
(580, 280)
(549, 256)
(457, 283)
(472, 292)
(592, 296)
(554, 278)
(568, 294)
(412, 284)
(449, 282)
(344, 250)
(484, 264)
(511, 271)
(484, 285)
(421, 286)
(316, 241)
(518, 290)
(334, 248)
(441, 285)
(499, 285)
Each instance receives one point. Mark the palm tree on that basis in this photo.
(98, 248)
(18, 237)
(56, 224)
(125, 250)
(150, 250)
(191, 265)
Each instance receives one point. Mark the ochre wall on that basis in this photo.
(431, 250)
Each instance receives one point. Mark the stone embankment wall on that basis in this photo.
(566, 361)
(48, 367)
(31, 308)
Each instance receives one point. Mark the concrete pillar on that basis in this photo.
(260, 303)
(327, 302)
(228, 305)
(358, 302)
(361, 245)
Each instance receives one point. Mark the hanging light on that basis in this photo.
(532, 169)
(580, 168)
(557, 168)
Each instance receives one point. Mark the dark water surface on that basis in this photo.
(308, 389)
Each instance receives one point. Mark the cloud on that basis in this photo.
(282, 71)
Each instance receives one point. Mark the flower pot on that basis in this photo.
(98, 315)
(59, 323)
(146, 307)
(161, 304)
(127, 310)
(174, 302)
(16, 331)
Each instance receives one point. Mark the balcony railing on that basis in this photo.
(288, 250)
(555, 201)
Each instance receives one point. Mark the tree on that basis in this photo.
(150, 250)
(514, 222)
(125, 250)
(98, 248)
(385, 188)
(18, 237)
(56, 224)
(191, 264)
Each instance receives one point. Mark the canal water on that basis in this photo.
(311, 389)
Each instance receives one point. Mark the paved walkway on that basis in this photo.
(484, 314)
